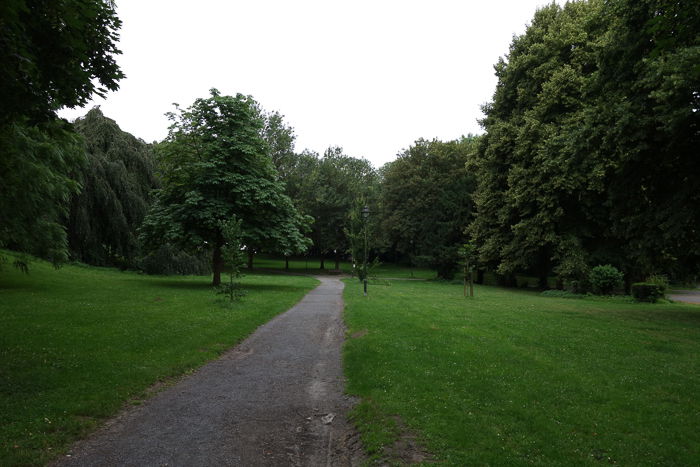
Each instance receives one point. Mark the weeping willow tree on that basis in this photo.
(116, 181)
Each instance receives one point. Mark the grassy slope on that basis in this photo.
(511, 377)
(75, 344)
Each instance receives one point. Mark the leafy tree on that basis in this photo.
(426, 202)
(593, 119)
(36, 177)
(116, 181)
(52, 54)
(280, 138)
(233, 255)
(55, 54)
(215, 165)
(327, 192)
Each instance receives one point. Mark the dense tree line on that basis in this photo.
(591, 143)
(52, 54)
(589, 156)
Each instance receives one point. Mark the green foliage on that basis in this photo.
(52, 54)
(426, 201)
(55, 54)
(215, 164)
(604, 279)
(327, 189)
(647, 291)
(233, 257)
(169, 260)
(659, 280)
(36, 176)
(116, 182)
(593, 119)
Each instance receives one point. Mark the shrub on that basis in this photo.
(647, 291)
(605, 279)
(658, 279)
(168, 260)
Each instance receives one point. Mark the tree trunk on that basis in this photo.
(251, 253)
(323, 262)
(217, 263)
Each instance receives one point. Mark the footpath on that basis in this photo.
(275, 399)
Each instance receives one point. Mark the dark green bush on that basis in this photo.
(647, 291)
(169, 260)
(605, 279)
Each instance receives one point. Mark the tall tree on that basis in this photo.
(116, 181)
(426, 202)
(326, 189)
(593, 119)
(215, 165)
(52, 54)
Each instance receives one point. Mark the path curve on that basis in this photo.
(265, 402)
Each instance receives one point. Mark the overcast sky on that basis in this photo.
(370, 76)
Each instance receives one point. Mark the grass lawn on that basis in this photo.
(78, 343)
(512, 377)
(311, 266)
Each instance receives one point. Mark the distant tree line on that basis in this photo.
(589, 157)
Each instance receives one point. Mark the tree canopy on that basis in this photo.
(215, 164)
(591, 143)
(426, 202)
(52, 54)
(116, 181)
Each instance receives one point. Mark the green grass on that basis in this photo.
(311, 266)
(78, 343)
(515, 378)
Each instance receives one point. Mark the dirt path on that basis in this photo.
(269, 401)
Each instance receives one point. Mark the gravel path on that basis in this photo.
(269, 401)
(687, 296)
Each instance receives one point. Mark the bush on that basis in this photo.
(168, 260)
(605, 279)
(647, 291)
(661, 281)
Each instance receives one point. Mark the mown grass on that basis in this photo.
(312, 266)
(515, 378)
(78, 343)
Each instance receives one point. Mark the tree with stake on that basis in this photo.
(233, 256)
(215, 165)
(466, 252)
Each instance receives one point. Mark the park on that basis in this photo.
(526, 295)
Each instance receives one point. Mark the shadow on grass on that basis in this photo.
(180, 284)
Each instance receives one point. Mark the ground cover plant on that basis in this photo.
(512, 377)
(77, 343)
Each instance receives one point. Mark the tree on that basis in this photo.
(52, 54)
(594, 118)
(55, 54)
(426, 202)
(326, 189)
(116, 181)
(215, 165)
(36, 175)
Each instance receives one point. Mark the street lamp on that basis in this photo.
(365, 216)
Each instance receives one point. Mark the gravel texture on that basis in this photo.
(275, 399)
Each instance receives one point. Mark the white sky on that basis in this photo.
(370, 76)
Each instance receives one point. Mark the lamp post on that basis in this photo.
(365, 216)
